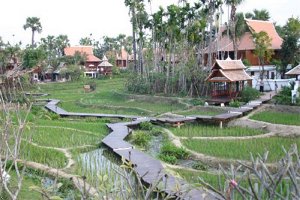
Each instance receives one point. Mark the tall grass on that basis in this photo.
(62, 137)
(200, 130)
(49, 157)
(101, 170)
(241, 149)
(278, 117)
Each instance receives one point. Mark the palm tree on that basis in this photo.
(35, 25)
(262, 14)
(233, 22)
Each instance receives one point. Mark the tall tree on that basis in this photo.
(61, 42)
(262, 50)
(86, 41)
(290, 48)
(232, 23)
(262, 14)
(35, 25)
(132, 11)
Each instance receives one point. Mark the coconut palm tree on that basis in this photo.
(232, 22)
(262, 14)
(35, 25)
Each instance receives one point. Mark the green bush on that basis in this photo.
(116, 70)
(249, 94)
(147, 126)
(234, 103)
(199, 166)
(171, 150)
(141, 138)
(284, 97)
(197, 102)
(156, 132)
(168, 159)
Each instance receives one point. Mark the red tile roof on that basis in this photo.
(88, 50)
(268, 27)
(70, 51)
(246, 41)
(92, 58)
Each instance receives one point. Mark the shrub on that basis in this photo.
(249, 94)
(116, 70)
(199, 166)
(284, 96)
(197, 102)
(171, 150)
(168, 159)
(234, 103)
(156, 132)
(141, 138)
(147, 126)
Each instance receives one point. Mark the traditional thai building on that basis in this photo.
(105, 68)
(91, 62)
(123, 59)
(228, 78)
(222, 47)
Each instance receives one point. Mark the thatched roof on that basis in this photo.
(294, 71)
(228, 71)
(105, 63)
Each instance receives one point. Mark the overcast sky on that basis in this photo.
(79, 19)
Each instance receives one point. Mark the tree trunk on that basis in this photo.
(32, 38)
(134, 39)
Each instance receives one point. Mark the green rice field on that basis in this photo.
(278, 117)
(240, 149)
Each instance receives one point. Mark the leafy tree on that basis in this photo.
(290, 47)
(33, 57)
(35, 25)
(87, 41)
(262, 50)
(61, 42)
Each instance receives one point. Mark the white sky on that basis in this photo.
(78, 19)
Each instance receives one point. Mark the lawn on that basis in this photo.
(200, 130)
(108, 97)
(278, 117)
(240, 149)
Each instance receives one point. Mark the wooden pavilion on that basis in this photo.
(227, 78)
(105, 67)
